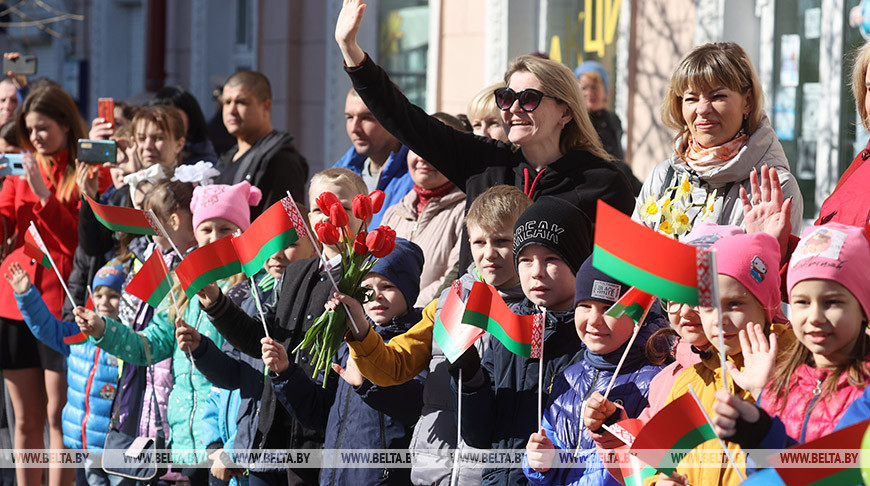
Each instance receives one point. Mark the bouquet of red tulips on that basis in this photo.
(358, 254)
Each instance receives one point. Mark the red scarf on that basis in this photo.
(424, 195)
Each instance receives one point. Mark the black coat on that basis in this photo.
(476, 163)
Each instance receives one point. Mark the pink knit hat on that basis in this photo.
(232, 203)
(835, 252)
(753, 260)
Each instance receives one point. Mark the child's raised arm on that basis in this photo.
(18, 278)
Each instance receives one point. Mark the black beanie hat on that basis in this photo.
(593, 284)
(558, 226)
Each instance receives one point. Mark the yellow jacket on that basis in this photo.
(400, 360)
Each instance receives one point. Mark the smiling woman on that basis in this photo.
(715, 104)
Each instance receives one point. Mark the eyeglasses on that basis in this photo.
(529, 98)
(672, 307)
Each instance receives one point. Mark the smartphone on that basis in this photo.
(14, 164)
(97, 151)
(20, 65)
(106, 110)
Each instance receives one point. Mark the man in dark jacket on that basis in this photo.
(262, 156)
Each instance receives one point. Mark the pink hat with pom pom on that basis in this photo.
(232, 203)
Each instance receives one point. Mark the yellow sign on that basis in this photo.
(599, 28)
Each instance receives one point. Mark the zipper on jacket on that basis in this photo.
(817, 391)
(581, 424)
(386, 473)
(88, 385)
(341, 429)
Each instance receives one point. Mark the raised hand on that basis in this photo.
(18, 278)
(356, 313)
(89, 322)
(759, 359)
(766, 211)
(87, 179)
(33, 176)
(101, 129)
(540, 451)
(727, 409)
(346, 28)
(187, 337)
(350, 374)
(208, 295)
(274, 355)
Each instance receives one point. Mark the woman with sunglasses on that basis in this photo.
(543, 113)
(715, 103)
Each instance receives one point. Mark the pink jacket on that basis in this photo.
(807, 415)
(662, 383)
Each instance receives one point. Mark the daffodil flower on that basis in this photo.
(708, 206)
(666, 228)
(681, 222)
(684, 189)
(649, 210)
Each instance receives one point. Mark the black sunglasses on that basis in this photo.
(529, 98)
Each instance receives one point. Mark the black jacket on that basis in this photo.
(272, 164)
(503, 412)
(303, 290)
(476, 163)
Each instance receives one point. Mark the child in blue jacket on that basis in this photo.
(90, 391)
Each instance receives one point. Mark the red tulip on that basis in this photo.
(381, 241)
(377, 198)
(359, 243)
(325, 201)
(362, 207)
(327, 233)
(338, 215)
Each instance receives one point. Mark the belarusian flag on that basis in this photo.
(680, 425)
(208, 264)
(665, 267)
(522, 335)
(449, 332)
(832, 471)
(152, 282)
(633, 303)
(125, 220)
(34, 250)
(81, 337)
(277, 228)
(631, 469)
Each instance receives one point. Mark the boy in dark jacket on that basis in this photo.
(356, 413)
(500, 394)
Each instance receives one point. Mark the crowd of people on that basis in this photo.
(503, 195)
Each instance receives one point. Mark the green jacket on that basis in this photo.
(190, 389)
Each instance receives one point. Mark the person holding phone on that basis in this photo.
(48, 127)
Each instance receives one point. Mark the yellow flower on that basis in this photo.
(681, 222)
(684, 189)
(708, 206)
(666, 228)
(649, 210)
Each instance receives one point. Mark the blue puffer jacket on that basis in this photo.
(92, 375)
(364, 417)
(563, 420)
(219, 423)
(503, 412)
(395, 180)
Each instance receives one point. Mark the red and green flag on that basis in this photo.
(81, 337)
(681, 425)
(522, 335)
(125, 220)
(208, 264)
(452, 336)
(836, 469)
(34, 249)
(633, 304)
(666, 267)
(277, 228)
(152, 282)
(632, 469)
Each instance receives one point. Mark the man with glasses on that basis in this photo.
(263, 156)
(376, 155)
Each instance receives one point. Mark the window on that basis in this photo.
(403, 45)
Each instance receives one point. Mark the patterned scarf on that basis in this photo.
(701, 159)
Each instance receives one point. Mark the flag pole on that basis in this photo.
(541, 374)
(714, 289)
(721, 442)
(163, 232)
(91, 294)
(356, 328)
(627, 349)
(454, 475)
(255, 291)
(41, 243)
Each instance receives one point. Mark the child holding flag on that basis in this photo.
(356, 413)
(749, 295)
(606, 339)
(217, 211)
(826, 369)
(490, 222)
(91, 372)
(500, 393)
